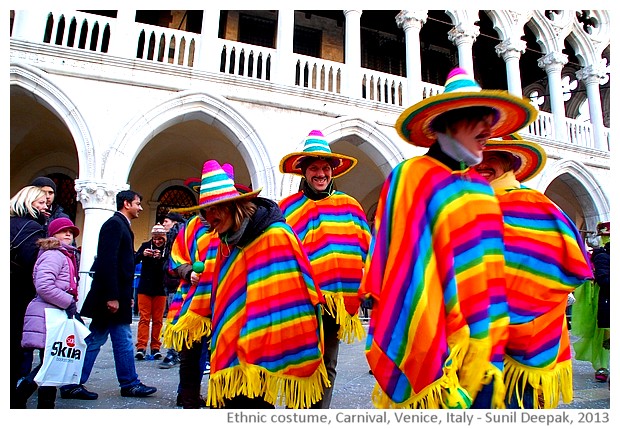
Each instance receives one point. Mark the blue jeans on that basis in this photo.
(122, 348)
(528, 399)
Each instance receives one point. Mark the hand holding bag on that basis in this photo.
(65, 349)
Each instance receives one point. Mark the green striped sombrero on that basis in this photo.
(317, 147)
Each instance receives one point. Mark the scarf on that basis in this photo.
(435, 271)
(336, 237)
(545, 261)
(455, 150)
(189, 315)
(267, 338)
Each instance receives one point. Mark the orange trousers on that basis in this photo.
(151, 310)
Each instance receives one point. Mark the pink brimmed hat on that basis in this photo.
(317, 147)
(530, 158)
(194, 182)
(415, 124)
(216, 187)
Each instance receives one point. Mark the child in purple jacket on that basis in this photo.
(55, 278)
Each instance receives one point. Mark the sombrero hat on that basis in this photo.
(216, 187)
(530, 158)
(194, 182)
(316, 146)
(415, 124)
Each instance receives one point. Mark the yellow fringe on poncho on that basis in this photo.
(434, 396)
(548, 384)
(189, 329)
(351, 328)
(253, 381)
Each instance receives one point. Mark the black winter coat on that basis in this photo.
(113, 273)
(152, 274)
(25, 231)
(600, 260)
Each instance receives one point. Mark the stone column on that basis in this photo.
(553, 63)
(411, 21)
(353, 53)
(591, 75)
(285, 66)
(511, 51)
(464, 36)
(29, 25)
(209, 53)
(99, 202)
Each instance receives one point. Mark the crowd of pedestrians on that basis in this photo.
(464, 276)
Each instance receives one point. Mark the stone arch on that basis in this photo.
(53, 98)
(185, 106)
(588, 191)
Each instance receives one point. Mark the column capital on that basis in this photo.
(509, 48)
(463, 33)
(593, 73)
(349, 11)
(407, 19)
(553, 61)
(95, 194)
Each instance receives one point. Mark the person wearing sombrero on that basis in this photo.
(333, 229)
(435, 270)
(266, 343)
(189, 318)
(546, 260)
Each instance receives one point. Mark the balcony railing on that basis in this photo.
(79, 30)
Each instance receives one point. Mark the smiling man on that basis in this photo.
(333, 229)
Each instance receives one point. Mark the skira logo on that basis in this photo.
(70, 340)
(68, 351)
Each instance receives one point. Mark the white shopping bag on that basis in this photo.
(65, 349)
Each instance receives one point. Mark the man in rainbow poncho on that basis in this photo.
(546, 260)
(188, 325)
(435, 270)
(189, 318)
(266, 343)
(333, 229)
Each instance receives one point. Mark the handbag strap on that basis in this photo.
(26, 238)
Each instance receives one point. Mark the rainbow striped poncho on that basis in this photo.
(336, 237)
(436, 272)
(545, 261)
(189, 315)
(267, 338)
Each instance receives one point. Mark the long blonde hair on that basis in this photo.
(21, 203)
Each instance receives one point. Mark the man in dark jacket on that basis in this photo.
(109, 302)
(54, 211)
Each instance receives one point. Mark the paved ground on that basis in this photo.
(352, 389)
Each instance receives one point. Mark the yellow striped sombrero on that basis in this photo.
(530, 158)
(415, 124)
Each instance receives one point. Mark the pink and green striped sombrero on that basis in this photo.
(216, 187)
(530, 157)
(414, 125)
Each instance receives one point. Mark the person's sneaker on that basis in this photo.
(137, 391)
(602, 374)
(77, 392)
(156, 354)
(168, 362)
(140, 354)
(207, 369)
